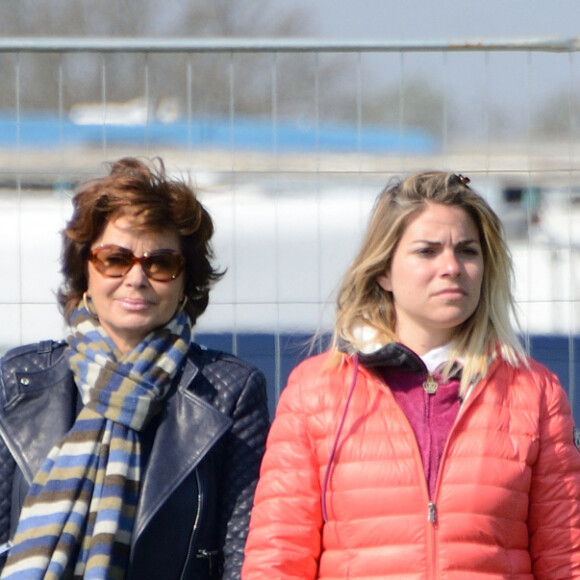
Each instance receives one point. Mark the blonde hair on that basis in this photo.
(362, 303)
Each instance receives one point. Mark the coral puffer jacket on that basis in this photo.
(506, 503)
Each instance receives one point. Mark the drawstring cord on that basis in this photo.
(335, 444)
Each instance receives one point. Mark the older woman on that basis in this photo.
(129, 451)
(425, 444)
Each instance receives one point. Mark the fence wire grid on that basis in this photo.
(288, 142)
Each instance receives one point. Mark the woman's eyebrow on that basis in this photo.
(466, 242)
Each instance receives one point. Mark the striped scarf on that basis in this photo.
(78, 517)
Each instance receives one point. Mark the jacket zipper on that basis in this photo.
(431, 503)
(431, 506)
(195, 527)
(430, 385)
(432, 539)
(432, 513)
(5, 547)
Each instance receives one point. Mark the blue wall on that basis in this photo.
(554, 351)
(48, 130)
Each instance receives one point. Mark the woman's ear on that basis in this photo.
(384, 282)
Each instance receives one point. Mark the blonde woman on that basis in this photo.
(425, 443)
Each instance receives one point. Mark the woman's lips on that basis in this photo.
(134, 304)
(451, 292)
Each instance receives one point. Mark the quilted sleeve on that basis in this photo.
(7, 470)
(244, 449)
(285, 528)
(554, 513)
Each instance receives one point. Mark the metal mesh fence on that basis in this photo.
(289, 162)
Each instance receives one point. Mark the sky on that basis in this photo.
(514, 83)
(443, 19)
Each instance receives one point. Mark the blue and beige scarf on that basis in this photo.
(78, 517)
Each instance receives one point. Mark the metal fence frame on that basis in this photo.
(232, 46)
(40, 44)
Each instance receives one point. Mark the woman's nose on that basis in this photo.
(135, 276)
(451, 265)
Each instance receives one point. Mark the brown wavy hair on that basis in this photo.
(155, 203)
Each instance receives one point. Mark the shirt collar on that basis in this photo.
(436, 357)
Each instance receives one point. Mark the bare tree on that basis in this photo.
(415, 103)
(559, 116)
(249, 84)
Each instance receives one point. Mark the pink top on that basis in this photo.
(431, 415)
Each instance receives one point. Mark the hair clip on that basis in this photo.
(463, 179)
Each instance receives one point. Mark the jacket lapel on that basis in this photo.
(189, 428)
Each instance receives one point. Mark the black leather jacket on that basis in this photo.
(203, 457)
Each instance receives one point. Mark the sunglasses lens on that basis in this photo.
(112, 262)
(163, 265)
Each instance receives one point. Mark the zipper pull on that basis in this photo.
(5, 547)
(211, 556)
(430, 385)
(432, 515)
